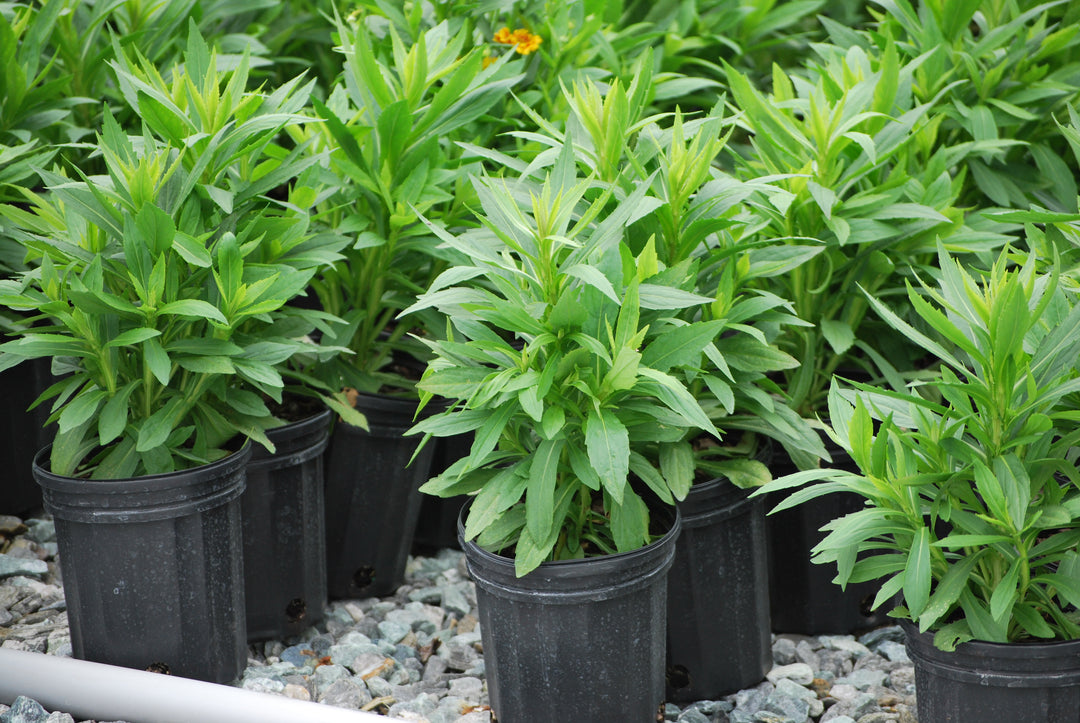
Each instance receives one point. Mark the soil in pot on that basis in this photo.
(575, 639)
(373, 498)
(718, 638)
(1026, 682)
(153, 567)
(284, 533)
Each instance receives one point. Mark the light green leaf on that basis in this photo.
(948, 590)
(838, 334)
(132, 337)
(681, 345)
(155, 430)
(654, 297)
(917, 573)
(81, 409)
(155, 357)
(677, 466)
(540, 492)
(553, 421)
(114, 415)
(193, 309)
(1005, 593)
(608, 445)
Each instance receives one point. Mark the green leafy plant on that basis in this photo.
(694, 216)
(389, 129)
(159, 288)
(837, 148)
(996, 73)
(564, 358)
(970, 480)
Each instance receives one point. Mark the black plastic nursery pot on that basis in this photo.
(22, 433)
(153, 567)
(575, 639)
(1028, 682)
(436, 526)
(284, 531)
(373, 498)
(718, 634)
(802, 596)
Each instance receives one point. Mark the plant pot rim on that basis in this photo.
(236, 457)
(1003, 649)
(143, 499)
(583, 576)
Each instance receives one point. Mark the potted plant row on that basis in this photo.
(159, 290)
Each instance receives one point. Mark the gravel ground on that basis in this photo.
(417, 656)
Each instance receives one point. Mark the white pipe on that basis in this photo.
(107, 692)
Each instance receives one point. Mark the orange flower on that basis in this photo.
(525, 41)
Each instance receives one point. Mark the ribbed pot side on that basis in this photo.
(153, 567)
(575, 639)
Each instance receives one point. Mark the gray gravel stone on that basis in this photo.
(873, 637)
(903, 680)
(896, 652)
(345, 693)
(783, 651)
(693, 716)
(392, 631)
(326, 674)
(864, 678)
(24, 710)
(59, 717)
(800, 673)
(416, 709)
(468, 688)
(10, 566)
(790, 689)
(846, 644)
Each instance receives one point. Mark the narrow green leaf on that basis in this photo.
(608, 445)
(677, 466)
(838, 334)
(1005, 593)
(156, 358)
(540, 492)
(948, 590)
(917, 573)
(114, 415)
(681, 345)
(131, 337)
(81, 408)
(157, 428)
(193, 309)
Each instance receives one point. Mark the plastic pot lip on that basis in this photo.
(150, 498)
(226, 465)
(1021, 654)
(716, 499)
(299, 427)
(586, 571)
(388, 415)
(304, 434)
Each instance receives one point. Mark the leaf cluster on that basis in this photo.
(565, 362)
(390, 127)
(972, 501)
(159, 287)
